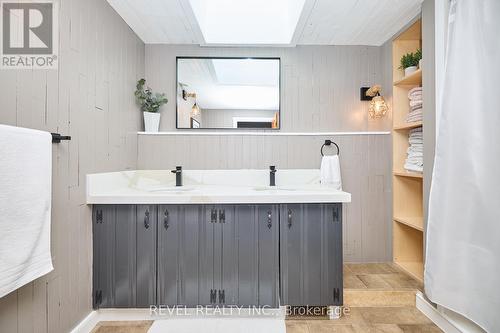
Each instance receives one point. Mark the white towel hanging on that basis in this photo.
(25, 199)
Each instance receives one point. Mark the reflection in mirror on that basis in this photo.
(222, 93)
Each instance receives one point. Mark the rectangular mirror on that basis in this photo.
(228, 93)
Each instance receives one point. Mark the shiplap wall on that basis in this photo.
(319, 93)
(90, 98)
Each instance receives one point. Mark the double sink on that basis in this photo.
(211, 186)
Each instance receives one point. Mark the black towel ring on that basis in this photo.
(329, 143)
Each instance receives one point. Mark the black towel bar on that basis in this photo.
(56, 137)
(329, 143)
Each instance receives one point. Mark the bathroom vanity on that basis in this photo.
(224, 238)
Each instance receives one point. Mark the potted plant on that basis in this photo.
(409, 62)
(150, 105)
(418, 54)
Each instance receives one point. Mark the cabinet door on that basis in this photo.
(103, 234)
(169, 234)
(185, 255)
(250, 255)
(333, 278)
(124, 256)
(195, 256)
(146, 230)
(311, 263)
(268, 278)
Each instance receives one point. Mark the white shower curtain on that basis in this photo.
(462, 271)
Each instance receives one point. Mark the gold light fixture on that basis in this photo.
(378, 108)
(186, 95)
(195, 110)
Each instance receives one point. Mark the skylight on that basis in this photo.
(247, 21)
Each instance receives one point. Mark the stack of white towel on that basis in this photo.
(415, 160)
(415, 97)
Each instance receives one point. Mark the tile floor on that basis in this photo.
(380, 297)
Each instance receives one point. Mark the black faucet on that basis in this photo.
(272, 175)
(178, 175)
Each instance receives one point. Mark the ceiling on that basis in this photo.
(232, 84)
(303, 22)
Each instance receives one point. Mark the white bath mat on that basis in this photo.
(218, 325)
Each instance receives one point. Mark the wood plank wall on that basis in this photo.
(320, 93)
(90, 98)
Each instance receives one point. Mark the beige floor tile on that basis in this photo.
(378, 298)
(394, 315)
(377, 268)
(375, 281)
(325, 327)
(401, 281)
(122, 327)
(379, 328)
(420, 328)
(353, 282)
(296, 326)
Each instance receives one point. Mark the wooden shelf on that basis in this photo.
(408, 126)
(413, 268)
(404, 173)
(414, 79)
(408, 195)
(412, 222)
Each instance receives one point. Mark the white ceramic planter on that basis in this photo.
(409, 70)
(151, 121)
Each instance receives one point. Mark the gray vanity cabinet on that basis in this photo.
(217, 255)
(124, 255)
(311, 254)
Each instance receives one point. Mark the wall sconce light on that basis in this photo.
(186, 95)
(378, 108)
(195, 110)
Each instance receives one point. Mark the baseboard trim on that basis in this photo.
(87, 324)
(434, 315)
(94, 317)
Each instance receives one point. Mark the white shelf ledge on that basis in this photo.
(268, 133)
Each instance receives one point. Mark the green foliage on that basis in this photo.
(149, 101)
(418, 54)
(411, 59)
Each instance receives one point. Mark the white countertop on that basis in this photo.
(210, 187)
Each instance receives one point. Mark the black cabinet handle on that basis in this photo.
(213, 216)
(98, 216)
(269, 219)
(213, 296)
(222, 297)
(146, 219)
(289, 218)
(222, 216)
(166, 219)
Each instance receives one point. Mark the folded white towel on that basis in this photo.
(414, 168)
(416, 103)
(416, 97)
(25, 199)
(414, 91)
(330, 172)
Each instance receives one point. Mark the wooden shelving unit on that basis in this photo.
(408, 221)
